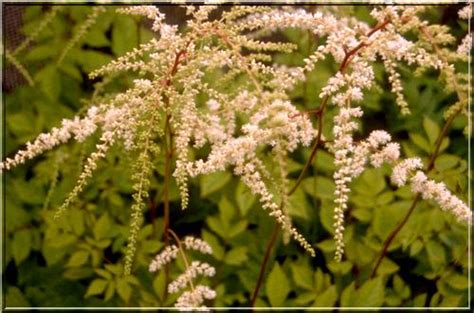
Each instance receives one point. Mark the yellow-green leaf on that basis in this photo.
(277, 286)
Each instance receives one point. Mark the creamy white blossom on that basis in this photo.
(195, 298)
(196, 268)
(167, 255)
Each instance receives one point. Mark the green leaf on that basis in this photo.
(159, 285)
(420, 142)
(326, 299)
(49, 81)
(277, 286)
(420, 300)
(15, 298)
(371, 294)
(305, 298)
(78, 258)
(436, 254)
(96, 287)
(432, 129)
(77, 221)
(297, 205)
(326, 214)
(387, 267)
(302, 275)
(237, 229)
(124, 290)
(370, 183)
(124, 35)
(21, 245)
(236, 256)
(217, 226)
(446, 161)
(416, 247)
(77, 273)
(213, 182)
(106, 274)
(327, 245)
(109, 293)
(244, 197)
(460, 282)
(227, 211)
(321, 187)
(348, 296)
(217, 248)
(91, 60)
(40, 53)
(386, 218)
(96, 38)
(362, 214)
(102, 227)
(340, 268)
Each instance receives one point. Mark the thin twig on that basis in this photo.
(349, 55)
(183, 255)
(430, 166)
(263, 266)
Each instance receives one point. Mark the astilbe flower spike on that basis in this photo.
(256, 118)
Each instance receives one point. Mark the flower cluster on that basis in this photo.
(225, 106)
(195, 297)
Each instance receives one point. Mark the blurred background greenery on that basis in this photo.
(78, 260)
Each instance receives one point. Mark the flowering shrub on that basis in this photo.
(232, 97)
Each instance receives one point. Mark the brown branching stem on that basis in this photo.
(168, 145)
(430, 165)
(319, 112)
(417, 198)
(263, 266)
(349, 55)
(183, 255)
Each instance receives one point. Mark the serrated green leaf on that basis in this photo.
(363, 215)
(124, 34)
(159, 285)
(277, 286)
(227, 211)
(124, 290)
(21, 245)
(371, 294)
(15, 298)
(432, 129)
(237, 229)
(302, 275)
(217, 248)
(460, 282)
(436, 254)
(236, 256)
(420, 142)
(327, 298)
(416, 247)
(297, 206)
(327, 245)
(446, 161)
(102, 227)
(106, 274)
(49, 81)
(348, 296)
(244, 197)
(321, 187)
(109, 293)
(213, 182)
(96, 287)
(341, 268)
(78, 258)
(387, 267)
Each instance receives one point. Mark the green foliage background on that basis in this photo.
(78, 261)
